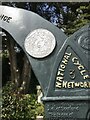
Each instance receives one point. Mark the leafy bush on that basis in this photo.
(18, 106)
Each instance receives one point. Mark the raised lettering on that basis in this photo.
(74, 59)
(76, 84)
(64, 61)
(81, 84)
(8, 20)
(61, 69)
(72, 84)
(62, 66)
(82, 72)
(86, 77)
(58, 85)
(80, 67)
(60, 73)
(5, 18)
(85, 85)
(69, 85)
(64, 84)
(59, 79)
(68, 54)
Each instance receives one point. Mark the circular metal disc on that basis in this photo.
(40, 43)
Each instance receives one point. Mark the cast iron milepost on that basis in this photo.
(60, 63)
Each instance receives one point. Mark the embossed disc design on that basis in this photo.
(40, 43)
(84, 41)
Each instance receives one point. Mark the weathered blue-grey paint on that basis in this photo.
(64, 75)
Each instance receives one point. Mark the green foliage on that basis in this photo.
(4, 54)
(18, 106)
(82, 17)
(70, 16)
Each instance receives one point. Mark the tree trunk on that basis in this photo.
(20, 78)
(13, 60)
(26, 76)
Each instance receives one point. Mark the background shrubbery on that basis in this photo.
(16, 103)
(19, 106)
